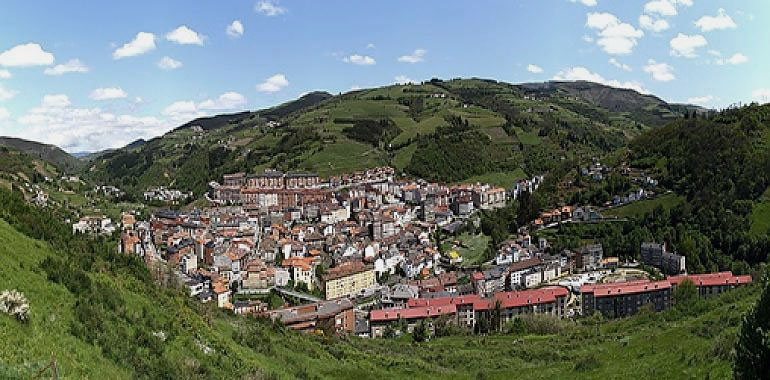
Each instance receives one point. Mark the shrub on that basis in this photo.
(15, 304)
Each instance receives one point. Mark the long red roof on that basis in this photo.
(712, 279)
(411, 313)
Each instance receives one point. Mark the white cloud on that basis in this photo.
(721, 21)
(269, 8)
(30, 54)
(5, 74)
(761, 95)
(85, 129)
(656, 25)
(370, 46)
(71, 66)
(168, 63)
(184, 36)
(616, 63)
(418, 55)
(235, 29)
(715, 53)
(684, 45)
(55, 101)
(181, 108)
(700, 100)
(588, 38)
(6, 94)
(108, 93)
(582, 73)
(535, 69)
(403, 79)
(661, 7)
(226, 101)
(588, 3)
(662, 72)
(615, 37)
(186, 110)
(735, 59)
(4, 114)
(273, 84)
(357, 59)
(142, 43)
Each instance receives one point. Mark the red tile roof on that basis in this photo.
(619, 289)
(711, 279)
(411, 313)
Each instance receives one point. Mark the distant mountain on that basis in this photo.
(453, 130)
(46, 152)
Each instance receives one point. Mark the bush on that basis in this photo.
(587, 363)
(15, 304)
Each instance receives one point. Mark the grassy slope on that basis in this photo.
(31, 346)
(661, 346)
(638, 209)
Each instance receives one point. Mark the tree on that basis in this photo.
(420, 332)
(685, 293)
(752, 350)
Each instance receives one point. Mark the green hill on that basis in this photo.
(96, 314)
(46, 152)
(465, 128)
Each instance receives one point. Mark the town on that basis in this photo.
(361, 252)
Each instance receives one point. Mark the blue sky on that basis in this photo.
(89, 75)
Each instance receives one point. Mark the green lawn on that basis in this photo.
(504, 179)
(472, 247)
(637, 209)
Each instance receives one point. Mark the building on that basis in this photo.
(625, 299)
(348, 280)
(589, 257)
(336, 315)
(710, 284)
(657, 255)
(467, 310)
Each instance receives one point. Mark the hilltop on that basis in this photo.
(461, 129)
(47, 152)
(91, 307)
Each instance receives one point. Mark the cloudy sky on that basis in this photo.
(94, 75)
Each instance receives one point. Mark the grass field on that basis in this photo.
(504, 179)
(472, 247)
(637, 209)
(760, 216)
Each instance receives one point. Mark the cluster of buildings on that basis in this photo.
(94, 224)
(162, 194)
(337, 238)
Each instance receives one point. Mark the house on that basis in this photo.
(259, 278)
(302, 270)
(349, 280)
(335, 315)
(221, 293)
